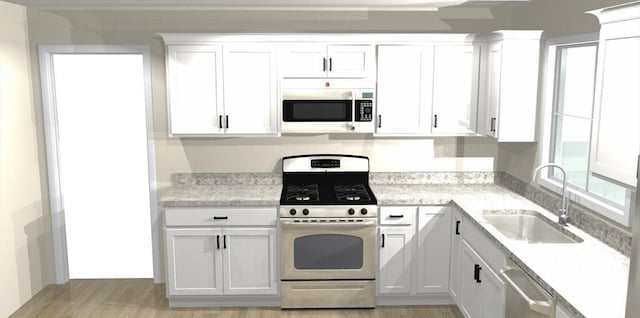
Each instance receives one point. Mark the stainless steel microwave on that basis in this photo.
(328, 110)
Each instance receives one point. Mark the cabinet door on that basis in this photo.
(355, 61)
(249, 261)
(434, 235)
(470, 290)
(250, 91)
(194, 82)
(396, 251)
(493, 293)
(401, 92)
(616, 133)
(194, 266)
(455, 89)
(490, 126)
(454, 277)
(303, 61)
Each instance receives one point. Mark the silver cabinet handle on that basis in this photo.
(543, 307)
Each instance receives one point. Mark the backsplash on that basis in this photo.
(431, 177)
(239, 178)
(581, 217)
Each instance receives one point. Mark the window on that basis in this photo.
(570, 90)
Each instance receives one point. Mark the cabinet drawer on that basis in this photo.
(397, 215)
(485, 247)
(220, 216)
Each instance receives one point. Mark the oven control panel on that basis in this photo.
(324, 211)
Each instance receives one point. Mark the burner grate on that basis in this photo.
(351, 192)
(302, 192)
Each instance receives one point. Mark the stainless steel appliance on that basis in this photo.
(328, 107)
(525, 298)
(633, 296)
(328, 218)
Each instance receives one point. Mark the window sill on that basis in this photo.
(609, 211)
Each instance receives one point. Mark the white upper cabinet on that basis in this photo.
(332, 61)
(250, 89)
(511, 88)
(455, 89)
(403, 93)
(616, 124)
(194, 74)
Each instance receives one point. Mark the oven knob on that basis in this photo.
(351, 211)
(292, 211)
(305, 211)
(363, 211)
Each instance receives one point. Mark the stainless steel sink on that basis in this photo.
(529, 226)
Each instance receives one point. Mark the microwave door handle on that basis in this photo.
(353, 110)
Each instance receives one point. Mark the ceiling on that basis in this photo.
(303, 5)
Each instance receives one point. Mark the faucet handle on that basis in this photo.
(564, 218)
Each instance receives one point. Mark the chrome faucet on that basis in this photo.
(563, 217)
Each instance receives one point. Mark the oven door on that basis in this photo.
(328, 249)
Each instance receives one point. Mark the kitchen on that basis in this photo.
(50, 25)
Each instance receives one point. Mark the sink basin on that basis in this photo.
(529, 226)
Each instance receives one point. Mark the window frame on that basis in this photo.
(606, 208)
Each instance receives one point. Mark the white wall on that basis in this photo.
(25, 235)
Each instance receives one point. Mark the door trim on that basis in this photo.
(50, 118)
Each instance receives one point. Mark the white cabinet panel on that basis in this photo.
(616, 129)
(433, 250)
(249, 261)
(193, 262)
(354, 61)
(456, 240)
(194, 76)
(455, 89)
(250, 92)
(401, 103)
(333, 61)
(482, 293)
(304, 61)
(396, 253)
(510, 101)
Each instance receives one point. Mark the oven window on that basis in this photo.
(328, 251)
(311, 110)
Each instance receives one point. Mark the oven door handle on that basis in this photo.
(365, 223)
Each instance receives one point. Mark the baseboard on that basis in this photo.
(224, 301)
(420, 299)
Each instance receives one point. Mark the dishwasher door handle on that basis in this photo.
(543, 307)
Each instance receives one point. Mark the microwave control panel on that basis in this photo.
(364, 110)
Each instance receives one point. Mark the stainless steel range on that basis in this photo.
(328, 218)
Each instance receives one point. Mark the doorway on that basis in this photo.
(97, 111)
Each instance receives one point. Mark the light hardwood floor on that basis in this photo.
(141, 298)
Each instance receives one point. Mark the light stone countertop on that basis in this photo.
(589, 278)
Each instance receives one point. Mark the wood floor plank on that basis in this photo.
(140, 298)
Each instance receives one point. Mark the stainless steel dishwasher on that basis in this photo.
(525, 298)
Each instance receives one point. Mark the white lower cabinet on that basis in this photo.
(456, 241)
(482, 292)
(414, 251)
(396, 254)
(225, 260)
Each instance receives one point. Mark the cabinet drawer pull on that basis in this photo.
(493, 124)
(218, 241)
(220, 122)
(396, 216)
(224, 241)
(476, 273)
(227, 120)
(330, 64)
(324, 64)
(382, 240)
(457, 227)
(435, 121)
(379, 121)
(220, 217)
